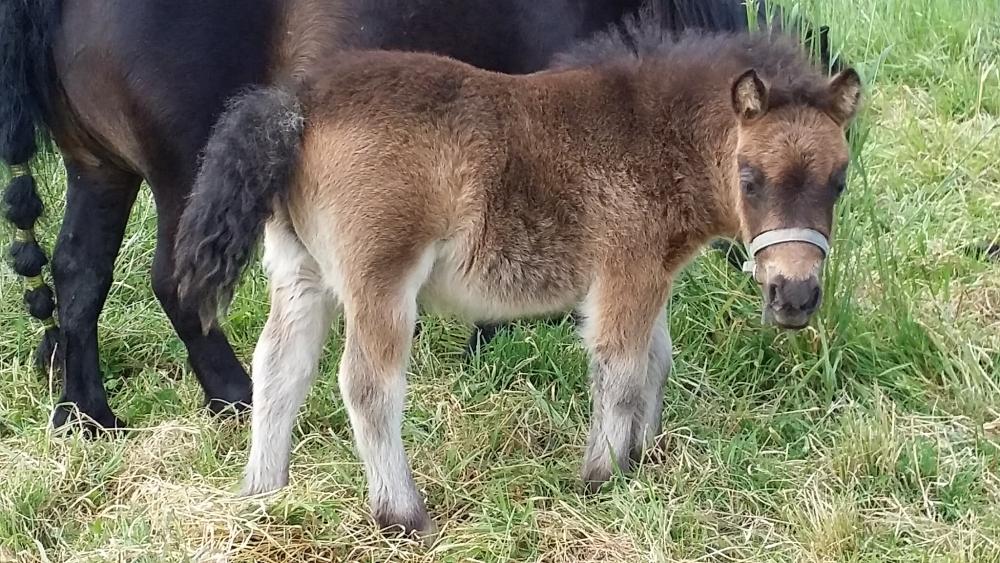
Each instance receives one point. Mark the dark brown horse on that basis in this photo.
(389, 179)
(129, 90)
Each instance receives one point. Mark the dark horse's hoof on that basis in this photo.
(735, 254)
(97, 423)
(223, 408)
(232, 400)
(227, 392)
(985, 252)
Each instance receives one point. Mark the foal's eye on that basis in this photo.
(750, 179)
(839, 182)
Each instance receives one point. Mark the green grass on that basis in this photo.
(869, 437)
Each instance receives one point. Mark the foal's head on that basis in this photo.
(792, 157)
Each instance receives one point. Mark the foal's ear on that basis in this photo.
(845, 96)
(749, 96)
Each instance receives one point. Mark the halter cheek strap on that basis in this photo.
(780, 236)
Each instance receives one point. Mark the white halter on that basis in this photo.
(779, 236)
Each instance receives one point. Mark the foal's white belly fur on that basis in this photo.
(447, 290)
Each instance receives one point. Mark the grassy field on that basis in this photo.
(872, 436)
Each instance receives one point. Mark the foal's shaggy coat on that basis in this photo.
(389, 179)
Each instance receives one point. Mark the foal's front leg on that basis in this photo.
(627, 371)
(657, 370)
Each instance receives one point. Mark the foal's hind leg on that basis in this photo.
(286, 357)
(379, 322)
(618, 333)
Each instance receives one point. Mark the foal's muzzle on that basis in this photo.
(790, 303)
(790, 298)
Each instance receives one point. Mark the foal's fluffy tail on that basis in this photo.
(248, 164)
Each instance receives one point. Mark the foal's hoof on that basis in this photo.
(101, 423)
(253, 488)
(592, 483)
(596, 474)
(419, 525)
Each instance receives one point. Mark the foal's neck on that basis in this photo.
(697, 132)
(720, 127)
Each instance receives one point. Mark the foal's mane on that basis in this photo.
(649, 37)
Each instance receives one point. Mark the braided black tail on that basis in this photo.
(25, 39)
(23, 207)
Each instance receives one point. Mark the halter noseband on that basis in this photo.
(779, 236)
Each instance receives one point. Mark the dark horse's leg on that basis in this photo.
(98, 201)
(220, 374)
(483, 333)
(734, 252)
(148, 79)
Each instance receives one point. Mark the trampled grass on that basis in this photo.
(871, 436)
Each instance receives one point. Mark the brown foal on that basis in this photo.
(394, 179)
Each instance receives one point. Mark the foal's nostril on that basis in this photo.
(772, 293)
(813, 302)
(774, 290)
